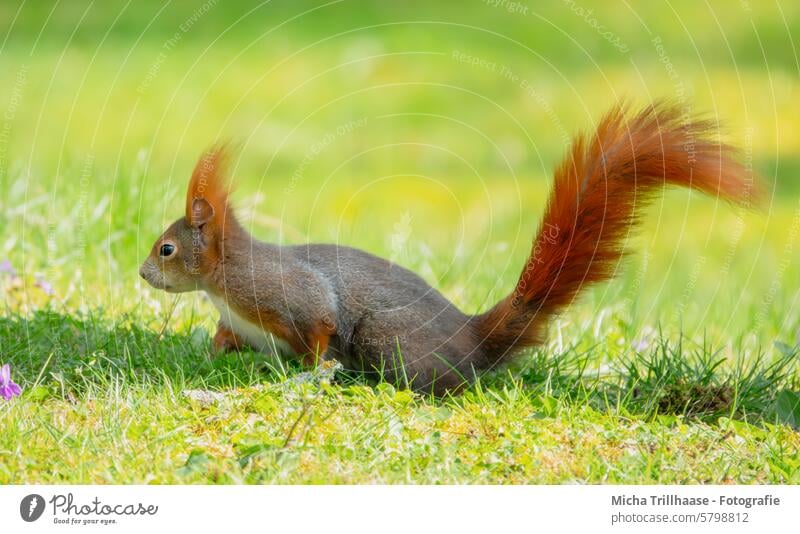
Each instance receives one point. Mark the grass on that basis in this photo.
(363, 127)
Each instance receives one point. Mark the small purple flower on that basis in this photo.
(8, 389)
(44, 285)
(7, 268)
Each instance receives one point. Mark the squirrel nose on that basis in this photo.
(141, 272)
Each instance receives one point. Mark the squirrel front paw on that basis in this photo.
(225, 340)
(317, 346)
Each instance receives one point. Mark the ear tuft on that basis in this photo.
(202, 212)
(207, 196)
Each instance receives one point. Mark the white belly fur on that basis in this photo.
(252, 333)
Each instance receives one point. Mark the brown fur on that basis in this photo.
(599, 191)
(225, 340)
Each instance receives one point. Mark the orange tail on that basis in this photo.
(599, 190)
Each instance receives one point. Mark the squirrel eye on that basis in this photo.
(166, 250)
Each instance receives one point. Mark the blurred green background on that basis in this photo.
(424, 132)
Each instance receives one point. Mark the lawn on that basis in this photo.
(425, 133)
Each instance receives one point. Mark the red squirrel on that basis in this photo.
(336, 302)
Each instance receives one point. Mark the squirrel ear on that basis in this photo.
(207, 195)
(202, 212)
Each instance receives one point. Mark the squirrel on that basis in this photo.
(324, 301)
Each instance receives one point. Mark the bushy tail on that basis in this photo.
(599, 190)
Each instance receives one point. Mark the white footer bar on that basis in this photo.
(401, 509)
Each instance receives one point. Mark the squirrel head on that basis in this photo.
(191, 247)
